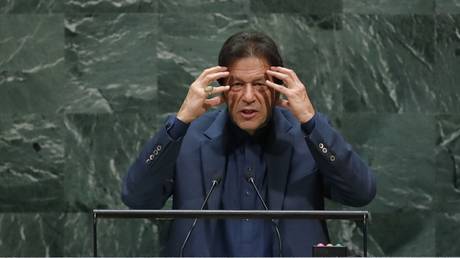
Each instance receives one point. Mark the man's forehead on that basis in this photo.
(248, 76)
(253, 74)
(249, 68)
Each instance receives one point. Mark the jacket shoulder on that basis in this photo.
(201, 124)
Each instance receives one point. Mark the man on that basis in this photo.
(290, 152)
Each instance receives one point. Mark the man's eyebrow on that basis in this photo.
(234, 78)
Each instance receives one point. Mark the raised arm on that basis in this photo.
(346, 178)
(150, 179)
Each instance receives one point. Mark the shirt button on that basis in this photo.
(247, 193)
(249, 169)
(246, 220)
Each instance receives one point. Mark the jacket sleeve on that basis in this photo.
(150, 179)
(346, 178)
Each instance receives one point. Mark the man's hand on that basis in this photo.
(297, 98)
(197, 102)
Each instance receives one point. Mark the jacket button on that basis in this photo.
(158, 148)
(152, 157)
(155, 152)
(332, 158)
(324, 150)
(321, 145)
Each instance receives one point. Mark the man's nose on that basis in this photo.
(248, 93)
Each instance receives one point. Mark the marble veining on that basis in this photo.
(83, 84)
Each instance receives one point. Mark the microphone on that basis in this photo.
(215, 182)
(250, 179)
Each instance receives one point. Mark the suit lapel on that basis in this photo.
(213, 158)
(277, 158)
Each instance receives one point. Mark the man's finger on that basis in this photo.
(290, 72)
(283, 103)
(213, 69)
(281, 89)
(214, 76)
(284, 77)
(212, 102)
(278, 75)
(220, 89)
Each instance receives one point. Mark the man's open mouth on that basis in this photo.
(248, 113)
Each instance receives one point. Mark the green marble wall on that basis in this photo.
(84, 83)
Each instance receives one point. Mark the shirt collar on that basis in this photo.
(239, 136)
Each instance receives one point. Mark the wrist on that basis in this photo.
(306, 116)
(183, 118)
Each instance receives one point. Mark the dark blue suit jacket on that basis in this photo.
(301, 171)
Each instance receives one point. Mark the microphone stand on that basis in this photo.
(215, 182)
(277, 231)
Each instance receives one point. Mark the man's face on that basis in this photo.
(249, 99)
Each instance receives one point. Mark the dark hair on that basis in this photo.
(246, 44)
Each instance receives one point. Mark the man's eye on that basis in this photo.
(237, 84)
(260, 85)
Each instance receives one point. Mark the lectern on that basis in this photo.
(360, 216)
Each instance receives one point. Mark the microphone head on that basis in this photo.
(218, 176)
(249, 176)
(217, 179)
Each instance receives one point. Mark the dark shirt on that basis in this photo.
(245, 157)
